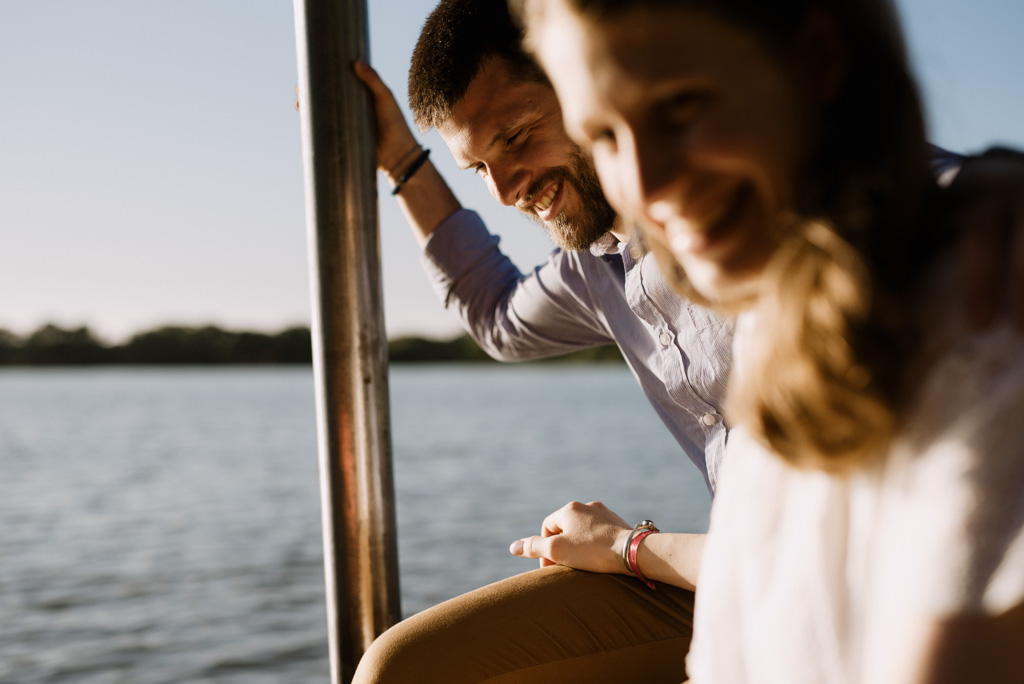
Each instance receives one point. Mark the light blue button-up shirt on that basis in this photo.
(679, 352)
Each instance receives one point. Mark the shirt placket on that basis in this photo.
(679, 354)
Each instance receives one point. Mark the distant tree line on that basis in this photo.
(463, 348)
(53, 345)
(168, 345)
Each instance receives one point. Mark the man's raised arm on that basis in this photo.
(424, 197)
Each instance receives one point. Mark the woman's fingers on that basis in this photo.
(529, 547)
(533, 547)
(582, 536)
(553, 524)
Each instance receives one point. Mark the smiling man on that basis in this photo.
(509, 130)
(500, 118)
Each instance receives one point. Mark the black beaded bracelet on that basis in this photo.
(413, 168)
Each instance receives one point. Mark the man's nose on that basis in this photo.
(509, 185)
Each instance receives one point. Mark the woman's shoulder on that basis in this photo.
(962, 370)
(954, 479)
(968, 387)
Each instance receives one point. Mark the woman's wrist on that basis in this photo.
(671, 558)
(631, 546)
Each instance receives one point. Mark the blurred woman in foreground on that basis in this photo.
(870, 521)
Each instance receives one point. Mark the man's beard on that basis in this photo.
(593, 216)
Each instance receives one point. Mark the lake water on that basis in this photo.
(163, 525)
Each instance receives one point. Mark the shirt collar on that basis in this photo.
(607, 244)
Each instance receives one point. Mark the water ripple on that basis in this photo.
(163, 526)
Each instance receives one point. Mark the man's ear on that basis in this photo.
(823, 51)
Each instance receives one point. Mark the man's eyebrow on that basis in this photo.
(502, 132)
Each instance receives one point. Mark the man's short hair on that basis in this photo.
(458, 38)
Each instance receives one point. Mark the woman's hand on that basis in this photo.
(581, 536)
(395, 139)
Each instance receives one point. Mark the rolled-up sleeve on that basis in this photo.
(511, 315)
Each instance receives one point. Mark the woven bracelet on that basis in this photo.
(409, 172)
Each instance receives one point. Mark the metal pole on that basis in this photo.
(349, 343)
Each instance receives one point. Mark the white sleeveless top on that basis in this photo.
(810, 578)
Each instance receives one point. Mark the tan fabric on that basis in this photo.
(554, 625)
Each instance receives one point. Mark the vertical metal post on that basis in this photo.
(349, 344)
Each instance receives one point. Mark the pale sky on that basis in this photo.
(150, 161)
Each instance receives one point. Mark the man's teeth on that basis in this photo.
(546, 199)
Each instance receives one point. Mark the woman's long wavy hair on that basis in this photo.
(821, 383)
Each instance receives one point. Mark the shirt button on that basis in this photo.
(665, 339)
(709, 419)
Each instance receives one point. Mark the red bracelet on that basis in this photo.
(634, 546)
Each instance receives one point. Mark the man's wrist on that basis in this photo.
(393, 170)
